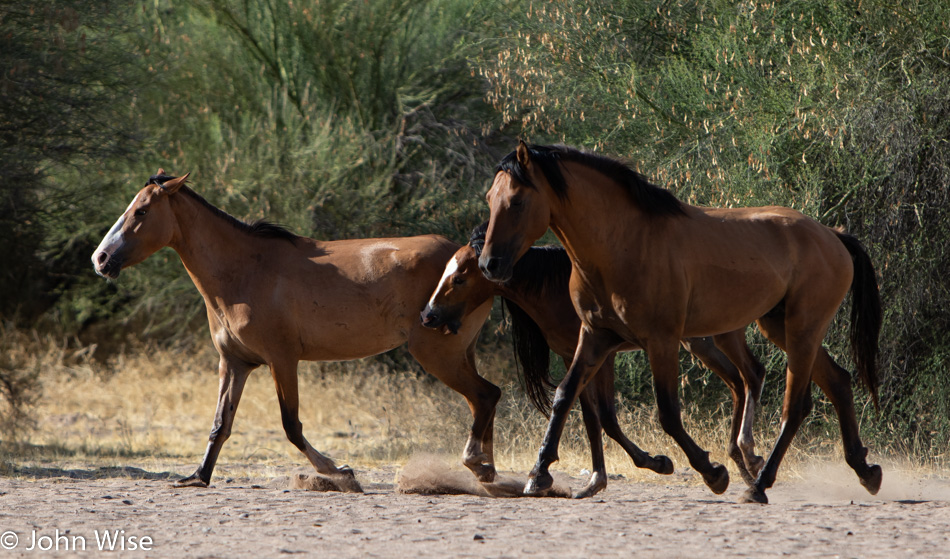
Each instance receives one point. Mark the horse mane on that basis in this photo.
(650, 198)
(542, 268)
(260, 228)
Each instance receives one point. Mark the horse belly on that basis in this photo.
(356, 328)
(732, 301)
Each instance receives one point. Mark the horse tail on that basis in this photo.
(865, 314)
(532, 351)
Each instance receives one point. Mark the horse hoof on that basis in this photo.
(191, 481)
(345, 480)
(753, 495)
(484, 471)
(597, 483)
(872, 482)
(662, 465)
(538, 484)
(718, 479)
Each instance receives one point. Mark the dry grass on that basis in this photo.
(152, 409)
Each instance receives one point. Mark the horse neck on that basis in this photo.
(209, 247)
(593, 216)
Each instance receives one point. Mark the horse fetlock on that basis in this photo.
(753, 463)
(717, 479)
(482, 467)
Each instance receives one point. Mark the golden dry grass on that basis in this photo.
(152, 409)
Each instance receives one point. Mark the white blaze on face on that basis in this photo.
(113, 238)
(450, 268)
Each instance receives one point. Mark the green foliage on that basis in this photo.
(838, 109)
(348, 118)
(337, 119)
(60, 75)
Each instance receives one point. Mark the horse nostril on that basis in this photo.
(102, 257)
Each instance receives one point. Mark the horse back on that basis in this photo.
(341, 300)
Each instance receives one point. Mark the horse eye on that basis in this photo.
(458, 280)
(141, 211)
(517, 201)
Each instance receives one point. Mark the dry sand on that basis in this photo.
(824, 514)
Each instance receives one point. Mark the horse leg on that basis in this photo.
(232, 375)
(592, 348)
(714, 359)
(801, 350)
(598, 476)
(285, 379)
(602, 388)
(455, 366)
(752, 374)
(664, 362)
(835, 382)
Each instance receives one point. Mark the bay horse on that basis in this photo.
(652, 270)
(543, 317)
(274, 298)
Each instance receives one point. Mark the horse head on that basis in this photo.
(520, 213)
(147, 225)
(461, 290)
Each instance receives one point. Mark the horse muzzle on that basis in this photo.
(496, 268)
(107, 265)
(432, 318)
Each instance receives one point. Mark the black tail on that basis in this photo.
(533, 353)
(865, 314)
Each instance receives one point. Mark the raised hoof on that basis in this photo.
(191, 481)
(873, 480)
(754, 464)
(597, 483)
(484, 471)
(345, 480)
(718, 479)
(662, 465)
(753, 495)
(538, 485)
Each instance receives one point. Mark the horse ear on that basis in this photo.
(172, 186)
(160, 171)
(524, 156)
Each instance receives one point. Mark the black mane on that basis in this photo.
(541, 268)
(650, 198)
(259, 228)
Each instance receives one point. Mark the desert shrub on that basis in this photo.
(833, 108)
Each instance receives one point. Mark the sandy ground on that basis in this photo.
(827, 514)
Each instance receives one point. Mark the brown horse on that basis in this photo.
(274, 298)
(543, 316)
(651, 270)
